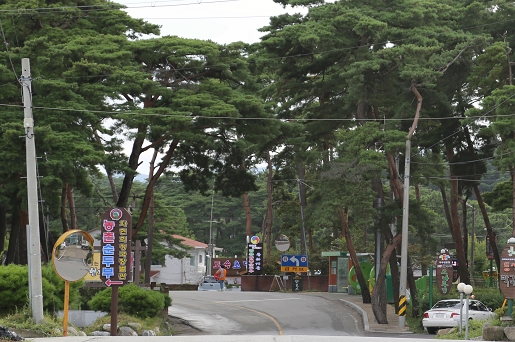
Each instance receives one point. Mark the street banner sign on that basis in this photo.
(444, 272)
(254, 256)
(294, 263)
(115, 247)
(507, 271)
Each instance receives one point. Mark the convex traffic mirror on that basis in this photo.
(72, 255)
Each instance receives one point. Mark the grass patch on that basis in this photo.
(52, 326)
(159, 325)
(475, 330)
(49, 327)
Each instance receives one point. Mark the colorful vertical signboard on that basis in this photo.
(444, 272)
(254, 256)
(115, 247)
(507, 271)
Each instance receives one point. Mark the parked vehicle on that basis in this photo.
(446, 314)
(85, 245)
(209, 283)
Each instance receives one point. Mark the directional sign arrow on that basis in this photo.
(110, 282)
(295, 260)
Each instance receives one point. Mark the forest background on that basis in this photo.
(303, 133)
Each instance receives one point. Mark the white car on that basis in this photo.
(446, 314)
(209, 283)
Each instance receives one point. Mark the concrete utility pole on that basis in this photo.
(404, 243)
(34, 248)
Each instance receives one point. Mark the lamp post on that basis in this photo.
(210, 248)
(468, 290)
(460, 290)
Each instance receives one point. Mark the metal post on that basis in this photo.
(467, 318)
(211, 249)
(472, 243)
(378, 241)
(35, 283)
(468, 290)
(461, 311)
(303, 247)
(461, 289)
(491, 274)
(431, 286)
(404, 244)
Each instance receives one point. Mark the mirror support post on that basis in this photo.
(66, 304)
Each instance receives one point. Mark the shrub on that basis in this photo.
(14, 285)
(132, 300)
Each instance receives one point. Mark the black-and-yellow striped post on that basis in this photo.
(402, 306)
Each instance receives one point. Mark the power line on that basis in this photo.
(114, 113)
(106, 7)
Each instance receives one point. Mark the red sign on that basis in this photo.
(234, 266)
(507, 271)
(115, 247)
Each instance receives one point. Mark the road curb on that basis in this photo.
(366, 325)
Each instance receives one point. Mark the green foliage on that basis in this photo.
(50, 326)
(475, 330)
(132, 300)
(14, 285)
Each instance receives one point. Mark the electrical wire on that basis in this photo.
(114, 113)
(7, 49)
(107, 7)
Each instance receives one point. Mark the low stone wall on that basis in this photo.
(269, 283)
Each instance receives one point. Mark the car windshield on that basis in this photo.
(209, 280)
(447, 304)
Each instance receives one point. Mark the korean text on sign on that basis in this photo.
(115, 247)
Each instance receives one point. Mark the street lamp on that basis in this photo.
(468, 290)
(461, 286)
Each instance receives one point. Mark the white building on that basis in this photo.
(188, 270)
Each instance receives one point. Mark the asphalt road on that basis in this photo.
(265, 313)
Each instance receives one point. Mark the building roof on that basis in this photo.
(190, 242)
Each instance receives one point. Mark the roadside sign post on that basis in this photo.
(115, 267)
(254, 256)
(294, 263)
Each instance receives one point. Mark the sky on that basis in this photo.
(222, 21)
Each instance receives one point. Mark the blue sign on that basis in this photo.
(294, 260)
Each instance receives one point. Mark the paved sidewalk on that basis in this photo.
(356, 302)
(369, 322)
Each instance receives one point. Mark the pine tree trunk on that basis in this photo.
(71, 203)
(456, 228)
(379, 298)
(64, 219)
(488, 225)
(270, 214)
(3, 225)
(14, 236)
(446, 208)
(365, 293)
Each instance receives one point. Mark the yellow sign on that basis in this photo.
(293, 269)
(94, 271)
(486, 274)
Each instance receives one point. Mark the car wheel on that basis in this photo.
(432, 331)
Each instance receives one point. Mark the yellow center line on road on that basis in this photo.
(281, 332)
